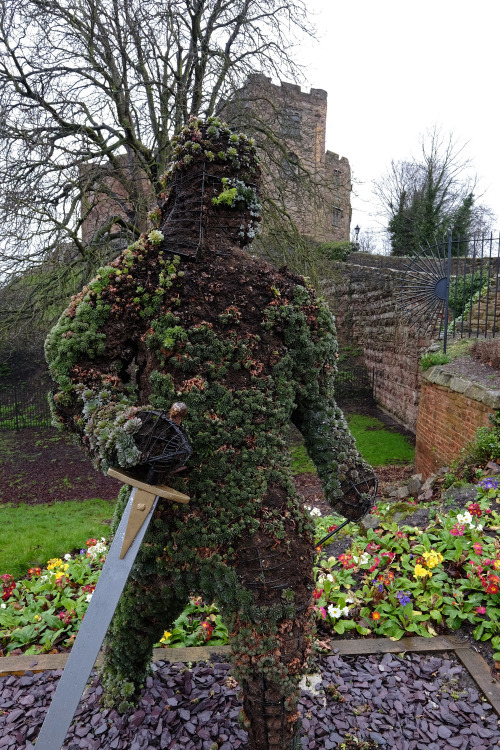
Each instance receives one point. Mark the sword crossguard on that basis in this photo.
(144, 498)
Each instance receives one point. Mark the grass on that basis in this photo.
(378, 445)
(32, 534)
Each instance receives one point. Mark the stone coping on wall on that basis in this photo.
(475, 391)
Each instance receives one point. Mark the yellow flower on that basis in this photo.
(166, 637)
(432, 558)
(56, 562)
(421, 572)
(496, 564)
(38, 618)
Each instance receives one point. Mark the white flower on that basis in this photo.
(334, 611)
(313, 511)
(349, 600)
(320, 581)
(88, 597)
(155, 236)
(345, 611)
(329, 578)
(464, 518)
(3, 605)
(67, 557)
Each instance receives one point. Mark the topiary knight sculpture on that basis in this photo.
(185, 314)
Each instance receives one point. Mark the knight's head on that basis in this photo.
(210, 199)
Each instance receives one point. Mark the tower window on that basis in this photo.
(336, 217)
(290, 123)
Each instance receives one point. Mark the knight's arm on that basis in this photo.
(348, 480)
(95, 350)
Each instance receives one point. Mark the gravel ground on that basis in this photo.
(422, 702)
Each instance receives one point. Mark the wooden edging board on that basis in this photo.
(470, 659)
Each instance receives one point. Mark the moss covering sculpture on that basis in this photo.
(185, 314)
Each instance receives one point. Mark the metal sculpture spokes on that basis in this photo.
(423, 294)
(452, 288)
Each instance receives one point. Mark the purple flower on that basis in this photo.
(404, 597)
(488, 484)
(381, 587)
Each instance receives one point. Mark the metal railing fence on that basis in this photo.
(23, 406)
(353, 384)
(452, 288)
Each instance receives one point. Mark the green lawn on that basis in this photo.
(378, 445)
(32, 534)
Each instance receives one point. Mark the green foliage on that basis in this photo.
(44, 610)
(412, 581)
(31, 534)
(433, 358)
(378, 445)
(419, 220)
(198, 624)
(336, 250)
(461, 290)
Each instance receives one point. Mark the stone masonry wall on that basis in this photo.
(323, 212)
(364, 301)
(451, 409)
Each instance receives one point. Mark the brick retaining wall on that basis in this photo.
(451, 409)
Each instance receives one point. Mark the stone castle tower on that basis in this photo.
(312, 185)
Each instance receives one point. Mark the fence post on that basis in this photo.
(447, 305)
(15, 408)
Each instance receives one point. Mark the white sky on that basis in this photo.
(394, 69)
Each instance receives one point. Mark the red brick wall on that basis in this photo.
(446, 422)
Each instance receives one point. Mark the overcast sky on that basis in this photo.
(394, 69)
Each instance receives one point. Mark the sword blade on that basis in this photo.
(92, 631)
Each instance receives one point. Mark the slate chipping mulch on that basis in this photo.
(397, 702)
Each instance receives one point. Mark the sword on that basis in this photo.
(114, 575)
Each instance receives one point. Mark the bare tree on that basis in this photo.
(90, 96)
(421, 199)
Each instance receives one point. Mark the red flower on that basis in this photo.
(317, 594)
(208, 628)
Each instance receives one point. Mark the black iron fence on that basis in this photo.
(26, 406)
(23, 406)
(353, 384)
(451, 289)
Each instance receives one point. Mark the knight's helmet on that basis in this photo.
(210, 200)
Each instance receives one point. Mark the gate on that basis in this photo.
(23, 406)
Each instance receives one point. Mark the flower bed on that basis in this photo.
(398, 581)
(393, 581)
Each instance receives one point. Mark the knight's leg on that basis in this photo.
(151, 601)
(269, 620)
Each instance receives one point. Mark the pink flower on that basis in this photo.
(481, 610)
(478, 548)
(457, 530)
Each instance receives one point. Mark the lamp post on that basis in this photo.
(356, 234)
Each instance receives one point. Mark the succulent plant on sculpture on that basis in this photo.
(185, 314)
